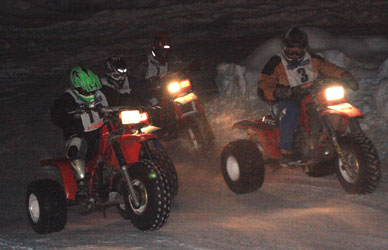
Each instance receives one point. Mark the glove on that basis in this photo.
(153, 101)
(282, 93)
(152, 80)
(350, 82)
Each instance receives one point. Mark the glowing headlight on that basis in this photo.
(335, 93)
(130, 117)
(174, 87)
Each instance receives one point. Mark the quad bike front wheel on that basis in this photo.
(46, 206)
(157, 154)
(200, 134)
(362, 173)
(242, 166)
(152, 191)
(168, 169)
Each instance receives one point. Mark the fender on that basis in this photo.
(187, 105)
(266, 135)
(130, 145)
(185, 99)
(67, 180)
(343, 109)
(150, 129)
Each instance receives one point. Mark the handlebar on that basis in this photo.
(104, 111)
(318, 84)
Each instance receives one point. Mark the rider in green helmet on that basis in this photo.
(80, 131)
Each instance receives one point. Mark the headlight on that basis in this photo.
(174, 87)
(130, 117)
(335, 93)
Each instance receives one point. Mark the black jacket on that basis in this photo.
(115, 98)
(59, 115)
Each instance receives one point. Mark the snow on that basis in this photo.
(290, 211)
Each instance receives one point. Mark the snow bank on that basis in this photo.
(381, 95)
(383, 71)
(234, 79)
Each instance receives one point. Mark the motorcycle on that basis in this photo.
(130, 171)
(179, 112)
(328, 139)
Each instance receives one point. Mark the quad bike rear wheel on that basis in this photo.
(362, 173)
(46, 206)
(153, 193)
(242, 166)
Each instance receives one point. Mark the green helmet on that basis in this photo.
(84, 83)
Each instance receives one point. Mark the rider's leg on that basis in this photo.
(287, 113)
(76, 149)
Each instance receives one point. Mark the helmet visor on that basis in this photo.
(117, 76)
(85, 93)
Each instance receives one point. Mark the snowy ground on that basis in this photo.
(290, 211)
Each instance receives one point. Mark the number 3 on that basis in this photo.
(302, 72)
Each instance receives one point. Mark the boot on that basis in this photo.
(289, 158)
(82, 190)
(83, 198)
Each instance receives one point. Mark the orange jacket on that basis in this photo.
(274, 74)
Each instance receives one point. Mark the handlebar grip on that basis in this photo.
(75, 112)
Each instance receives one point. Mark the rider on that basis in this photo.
(81, 131)
(155, 68)
(157, 65)
(291, 67)
(117, 86)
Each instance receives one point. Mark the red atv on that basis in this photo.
(130, 171)
(329, 138)
(179, 112)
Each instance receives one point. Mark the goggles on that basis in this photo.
(118, 76)
(83, 92)
(298, 53)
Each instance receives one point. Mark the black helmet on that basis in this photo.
(294, 45)
(295, 38)
(116, 70)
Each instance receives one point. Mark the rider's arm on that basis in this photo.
(269, 78)
(111, 95)
(330, 69)
(327, 68)
(61, 118)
